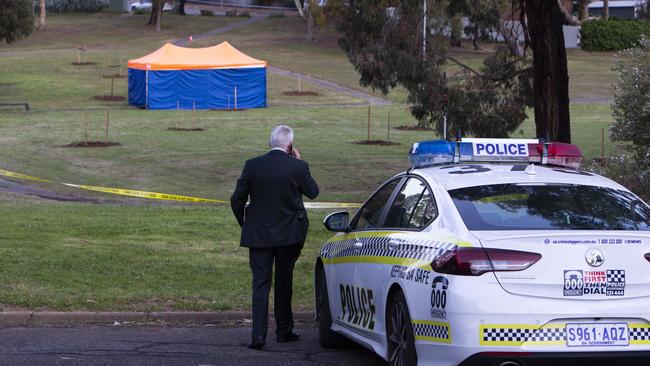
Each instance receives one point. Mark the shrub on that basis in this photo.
(244, 14)
(277, 14)
(207, 13)
(66, 6)
(231, 13)
(631, 126)
(612, 35)
(625, 170)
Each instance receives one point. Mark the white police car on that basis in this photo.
(490, 252)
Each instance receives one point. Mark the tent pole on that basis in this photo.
(146, 90)
(235, 98)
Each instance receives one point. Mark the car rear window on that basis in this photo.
(549, 207)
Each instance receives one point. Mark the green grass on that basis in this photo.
(77, 256)
(132, 258)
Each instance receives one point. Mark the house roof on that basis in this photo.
(618, 4)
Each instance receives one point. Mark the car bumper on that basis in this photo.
(628, 358)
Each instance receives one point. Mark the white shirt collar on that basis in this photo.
(280, 149)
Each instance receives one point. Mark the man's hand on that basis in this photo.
(295, 153)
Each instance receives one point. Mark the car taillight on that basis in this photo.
(475, 261)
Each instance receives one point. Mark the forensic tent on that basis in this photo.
(218, 77)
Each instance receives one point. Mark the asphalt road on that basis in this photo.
(136, 345)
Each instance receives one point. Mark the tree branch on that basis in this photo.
(299, 7)
(568, 18)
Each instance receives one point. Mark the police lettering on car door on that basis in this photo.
(357, 306)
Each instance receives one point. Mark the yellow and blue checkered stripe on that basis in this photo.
(431, 331)
(548, 335)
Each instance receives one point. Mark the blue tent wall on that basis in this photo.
(137, 87)
(206, 89)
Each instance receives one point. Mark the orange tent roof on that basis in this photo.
(171, 57)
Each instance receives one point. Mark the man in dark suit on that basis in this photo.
(274, 228)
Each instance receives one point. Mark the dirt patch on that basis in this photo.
(413, 128)
(93, 144)
(110, 98)
(84, 63)
(185, 129)
(376, 142)
(114, 76)
(295, 93)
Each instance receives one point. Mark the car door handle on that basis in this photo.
(394, 244)
(357, 245)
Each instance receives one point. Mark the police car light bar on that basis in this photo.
(435, 152)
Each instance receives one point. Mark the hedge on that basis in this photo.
(612, 35)
(67, 6)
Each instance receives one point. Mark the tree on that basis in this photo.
(41, 15)
(382, 40)
(181, 7)
(483, 17)
(314, 15)
(583, 10)
(155, 18)
(605, 9)
(16, 20)
(631, 99)
(543, 21)
(384, 43)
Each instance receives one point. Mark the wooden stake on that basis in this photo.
(299, 83)
(602, 145)
(388, 127)
(121, 64)
(112, 83)
(107, 125)
(235, 98)
(78, 54)
(368, 122)
(194, 113)
(86, 129)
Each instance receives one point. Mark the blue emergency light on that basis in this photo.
(436, 152)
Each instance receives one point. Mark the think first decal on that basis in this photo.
(610, 282)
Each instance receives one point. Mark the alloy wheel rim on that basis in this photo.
(398, 335)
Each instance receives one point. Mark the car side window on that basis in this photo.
(412, 208)
(370, 213)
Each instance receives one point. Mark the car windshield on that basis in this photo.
(549, 207)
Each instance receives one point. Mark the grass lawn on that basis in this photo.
(81, 256)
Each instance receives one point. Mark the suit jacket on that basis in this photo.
(276, 216)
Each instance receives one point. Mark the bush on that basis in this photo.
(631, 126)
(612, 35)
(231, 13)
(625, 170)
(207, 13)
(277, 14)
(244, 15)
(67, 6)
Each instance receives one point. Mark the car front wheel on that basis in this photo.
(326, 337)
(401, 342)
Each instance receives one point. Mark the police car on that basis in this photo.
(490, 252)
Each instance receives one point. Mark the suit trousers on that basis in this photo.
(261, 263)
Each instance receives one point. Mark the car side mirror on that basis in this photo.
(337, 222)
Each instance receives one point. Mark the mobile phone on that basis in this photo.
(290, 150)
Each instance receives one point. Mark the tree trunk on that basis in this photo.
(41, 17)
(152, 15)
(181, 7)
(583, 10)
(159, 11)
(606, 9)
(544, 22)
(309, 35)
(455, 39)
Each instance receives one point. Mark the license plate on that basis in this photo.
(596, 334)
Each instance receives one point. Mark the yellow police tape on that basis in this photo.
(165, 196)
(7, 173)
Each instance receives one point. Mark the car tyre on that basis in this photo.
(326, 336)
(133, 8)
(399, 333)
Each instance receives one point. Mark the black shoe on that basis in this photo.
(256, 343)
(289, 337)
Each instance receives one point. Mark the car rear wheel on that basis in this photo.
(399, 331)
(326, 337)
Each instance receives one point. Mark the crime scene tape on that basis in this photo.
(165, 196)
(7, 173)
